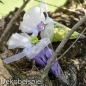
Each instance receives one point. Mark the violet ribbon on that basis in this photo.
(18, 56)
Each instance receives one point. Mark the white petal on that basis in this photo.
(39, 47)
(49, 20)
(31, 19)
(17, 41)
(24, 28)
(35, 14)
(44, 8)
(48, 31)
(26, 35)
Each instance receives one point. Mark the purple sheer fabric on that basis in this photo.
(42, 59)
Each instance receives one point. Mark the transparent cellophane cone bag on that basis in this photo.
(56, 32)
(41, 53)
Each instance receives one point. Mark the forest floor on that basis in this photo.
(73, 63)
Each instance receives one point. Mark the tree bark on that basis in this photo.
(4, 74)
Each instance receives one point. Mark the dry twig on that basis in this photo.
(72, 44)
(82, 7)
(75, 27)
(62, 8)
(2, 22)
(3, 36)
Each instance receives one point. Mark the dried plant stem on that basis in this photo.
(82, 7)
(62, 8)
(61, 45)
(3, 36)
(71, 45)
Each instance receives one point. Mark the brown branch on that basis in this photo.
(75, 27)
(3, 36)
(61, 8)
(72, 44)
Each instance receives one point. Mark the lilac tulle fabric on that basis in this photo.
(42, 59)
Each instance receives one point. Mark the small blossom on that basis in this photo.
(35, 21)
(34, 40)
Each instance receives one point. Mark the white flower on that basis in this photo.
(30, 50)
(31, 19)
(18, 41)
(34, 20)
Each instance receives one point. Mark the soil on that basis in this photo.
(73, 63)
